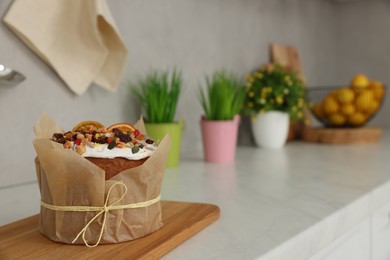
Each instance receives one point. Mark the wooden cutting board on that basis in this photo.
(22, 240)
(361, 135)
(287, 56)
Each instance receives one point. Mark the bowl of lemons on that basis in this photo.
(349, 106)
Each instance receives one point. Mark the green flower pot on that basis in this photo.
(157, 131)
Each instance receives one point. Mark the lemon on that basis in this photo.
(330, 105)
(347, 109)
(364, 100)
(373, 107)
(337, 119)
(378, 89)
(333, 93)
(345, 95)
(357, 91)
(357, 119)
(317, 109)
(360, 81)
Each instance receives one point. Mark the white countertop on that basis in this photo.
(275, 204)
(281, 204)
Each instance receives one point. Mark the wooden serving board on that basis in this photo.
(22, 240)
(342, 135)
(287, 56)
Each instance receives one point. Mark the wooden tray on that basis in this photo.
(22, 240)
(342, 135)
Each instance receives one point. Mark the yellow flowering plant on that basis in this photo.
(273, 87)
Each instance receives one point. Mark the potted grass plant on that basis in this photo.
(158, 94)
(274, 96)
(221, 101)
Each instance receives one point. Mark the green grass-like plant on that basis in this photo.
(158, 93)
(223, 97)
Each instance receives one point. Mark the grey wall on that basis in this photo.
(197, 36)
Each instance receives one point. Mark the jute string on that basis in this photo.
(101, 210)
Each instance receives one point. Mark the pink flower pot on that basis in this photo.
(220, 140)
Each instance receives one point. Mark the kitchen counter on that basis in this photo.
(281, 204)
(275, 204)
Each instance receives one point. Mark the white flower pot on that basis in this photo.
(270, 129)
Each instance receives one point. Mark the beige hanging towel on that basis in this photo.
(78, 39)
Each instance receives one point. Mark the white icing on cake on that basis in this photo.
(101, 151)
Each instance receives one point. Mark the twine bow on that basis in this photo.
(101, 210)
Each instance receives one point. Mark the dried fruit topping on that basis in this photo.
(100, 140)
(121, 135)
(120, 145)
(116, 131)
(88, 137)
(135, 149)
(81, 149)
(68, 136)
(77, 142)
(59, 138)
(149, 141)
(112, 144)
(124, 127)
(140, 137)
(87, 126)
(91, 134)
(124, 138)
(67, 145)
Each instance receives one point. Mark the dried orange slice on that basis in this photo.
(87, 126)
(124, 127)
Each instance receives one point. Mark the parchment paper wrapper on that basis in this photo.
(65, 178)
